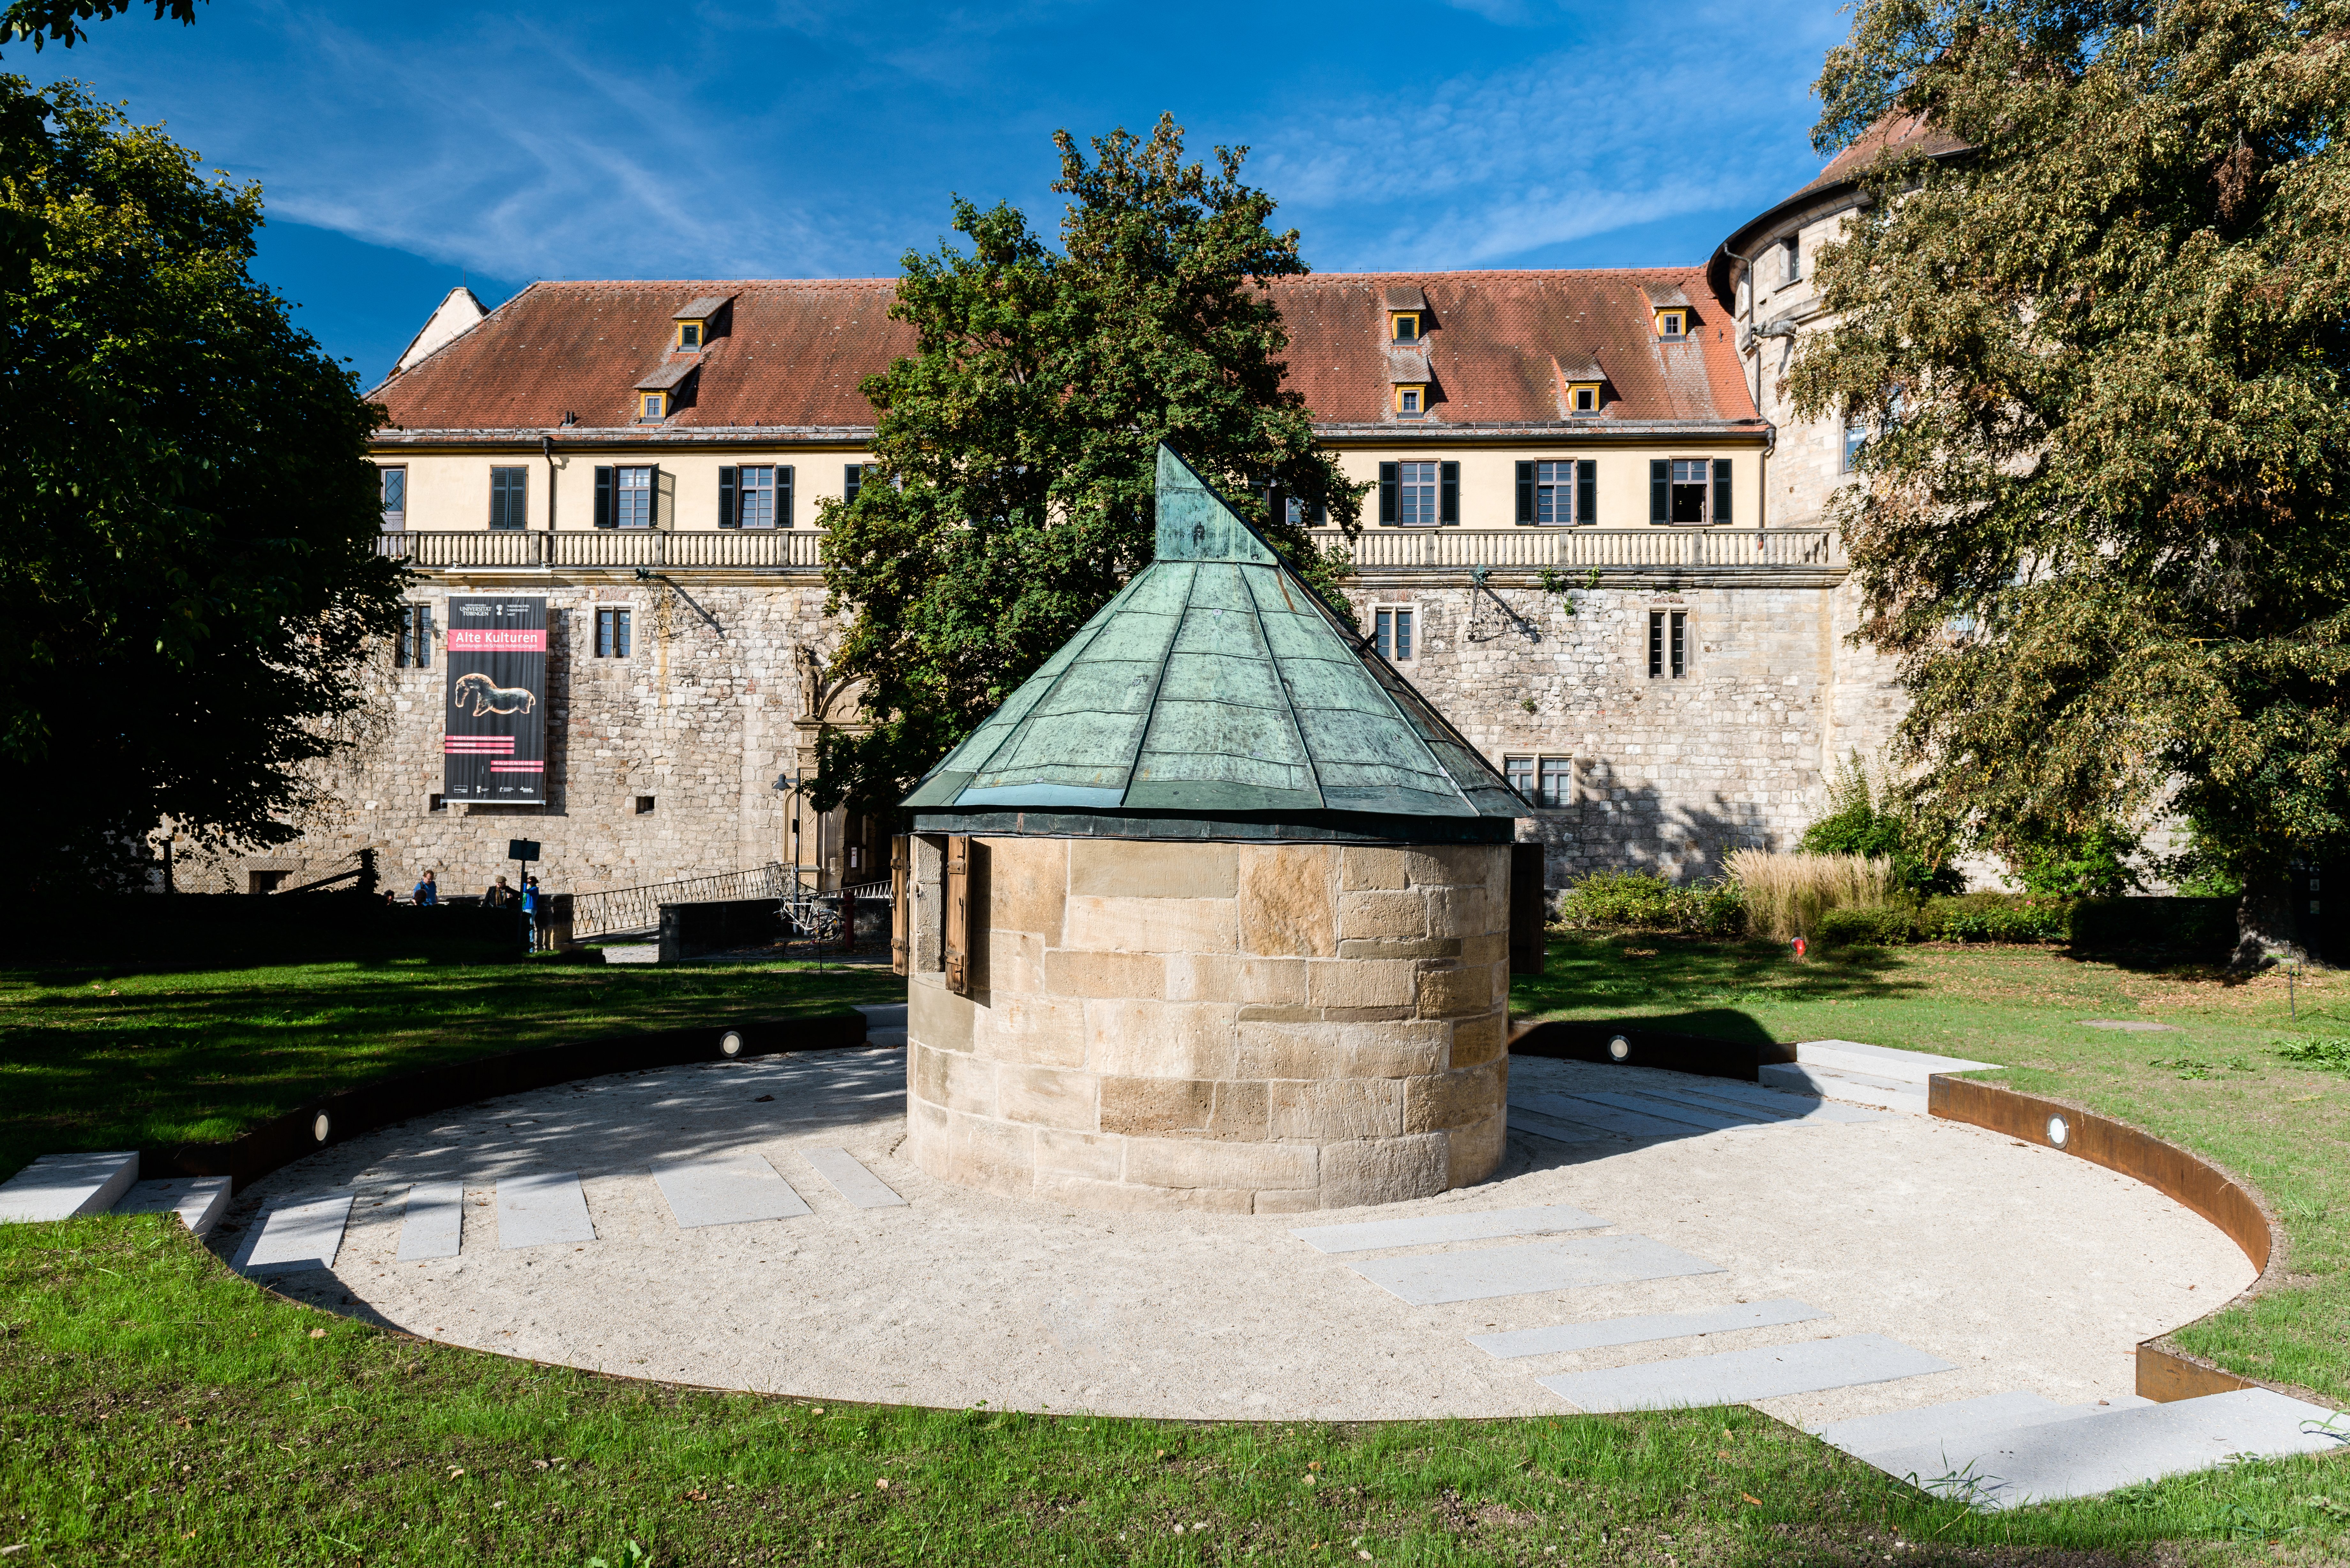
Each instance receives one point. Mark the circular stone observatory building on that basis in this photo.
(1214, 913)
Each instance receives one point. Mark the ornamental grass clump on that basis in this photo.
(1787, 895)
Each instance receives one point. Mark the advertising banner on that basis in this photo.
(493, 743)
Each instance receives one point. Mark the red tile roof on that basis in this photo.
(1905, 133)
(791, 353)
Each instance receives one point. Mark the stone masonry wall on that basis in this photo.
(699, 722)
(1671, 774)
(1265, 1028)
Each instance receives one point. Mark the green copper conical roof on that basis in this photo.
(1216, 681)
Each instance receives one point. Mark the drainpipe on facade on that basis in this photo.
(547, 445)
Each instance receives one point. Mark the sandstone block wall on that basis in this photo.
(1266, 1028)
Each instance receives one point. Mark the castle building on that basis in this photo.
(1594, 539)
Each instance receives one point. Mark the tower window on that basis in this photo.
(1547, 783)
(1391, 632)
(611, 632)
(414, 649)
(1668, 644)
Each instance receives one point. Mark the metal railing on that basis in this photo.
(608, 548)
(1576, 549)
(638, 909)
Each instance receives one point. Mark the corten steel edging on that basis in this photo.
(2163, 1375)
(283, 1139)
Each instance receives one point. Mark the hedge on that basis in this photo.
(238, 931)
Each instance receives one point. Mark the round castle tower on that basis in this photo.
(1214, 912)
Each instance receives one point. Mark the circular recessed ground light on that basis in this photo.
(731, 1043)
(2058, 1131)
(320, 1127)
(1620, 1048)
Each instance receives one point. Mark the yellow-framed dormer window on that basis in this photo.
(1672, 323)
(689, 337)
(651, 405)
(1403, 325)
(1411, 403)
(1583, 397)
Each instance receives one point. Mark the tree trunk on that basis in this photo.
(2265, 927)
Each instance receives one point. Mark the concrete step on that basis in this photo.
(1883, 1062)
(2105, 1449)
(198, 1201)
(1856, 1088)
(885, 1023)
(68, 1186)
(1957, 1420)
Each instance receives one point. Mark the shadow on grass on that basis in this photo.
(1700, 983)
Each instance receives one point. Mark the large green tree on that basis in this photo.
(187, 512)
(1014, 460)
(2105, 520)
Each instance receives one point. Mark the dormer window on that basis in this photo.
(1411, 403)
(1672, 324)
(1582, 398)
(696, 322)
(652, 407)
(1671, 309)
(1404, 325)
(689, 337)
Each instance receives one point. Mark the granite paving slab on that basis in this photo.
(1631, 1124)
(1427, 1280)
(68, 1186)
(851, 1179)
(300, 1233)
(1641, 1329)
(1431, 1229)
(2117, 1448)
(432, 1223)
(1736, 1377)
(733, 1190)
(540, 1208)
(198, 1201)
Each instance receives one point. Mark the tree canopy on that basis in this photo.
(1011, 495)
(2105, 520)
(61, 21)
(187, 516)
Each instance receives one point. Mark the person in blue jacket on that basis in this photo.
(428, 893)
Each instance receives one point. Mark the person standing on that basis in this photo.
(530, 904)
(498, 895)
(428, 892)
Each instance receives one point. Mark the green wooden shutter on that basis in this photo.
(652, 496)
(1661, 490)
(783, 498)
(1525, 493)
(1721, 490)
(851, 480)
(603, 498)
(1448, 492)
(1387, 492)
(728, 517)
(1587, 492)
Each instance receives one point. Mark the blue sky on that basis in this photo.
(402, 148)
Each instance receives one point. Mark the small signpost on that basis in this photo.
(522, 852)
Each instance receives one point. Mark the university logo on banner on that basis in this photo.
(493, 741)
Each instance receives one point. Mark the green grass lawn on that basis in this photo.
(2216, 1086)
(106, 1059)
(154, 1409)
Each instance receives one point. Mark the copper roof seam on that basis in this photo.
(1158, 677)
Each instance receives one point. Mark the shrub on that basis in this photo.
(1874, 926)
(2092, 863)
(1996, 918)
(1864, 822)
(1787, 894)
(1635, 900)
